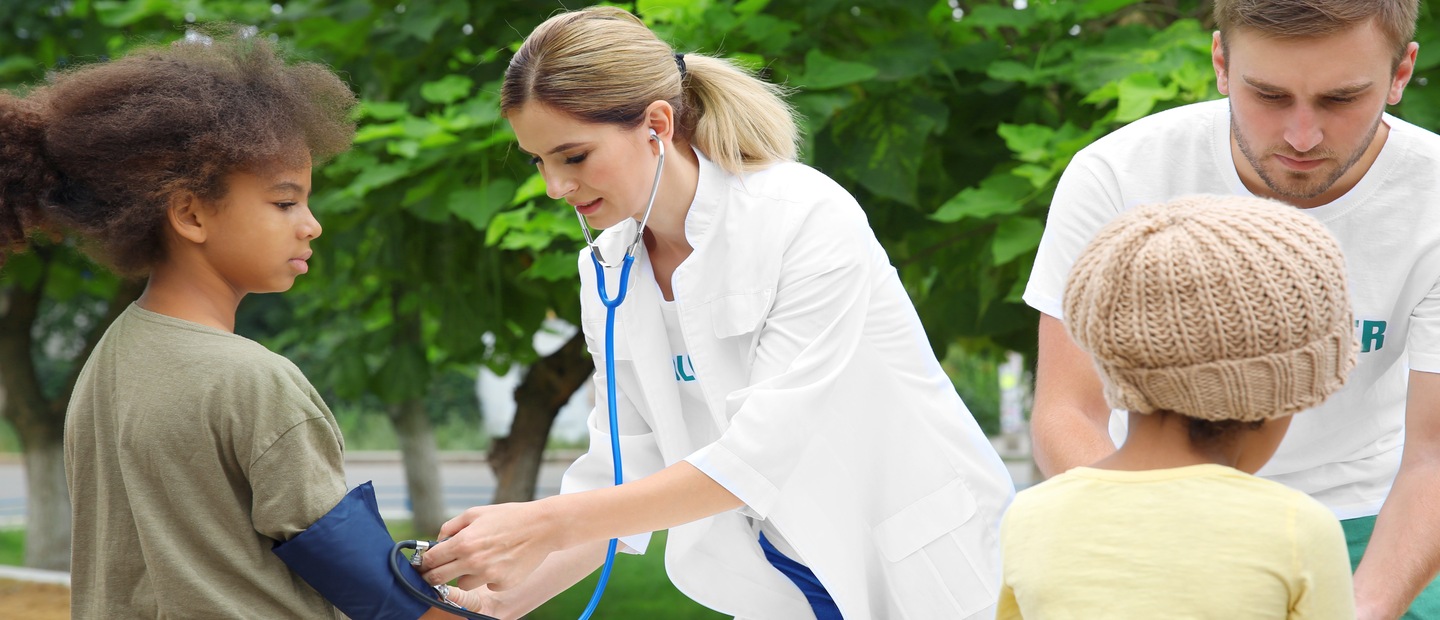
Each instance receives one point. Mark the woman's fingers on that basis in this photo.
(497, 545)
(458, 523)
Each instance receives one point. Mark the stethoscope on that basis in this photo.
(610, 306)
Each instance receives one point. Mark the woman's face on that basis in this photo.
(604, 171)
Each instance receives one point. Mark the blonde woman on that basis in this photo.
(780, 409)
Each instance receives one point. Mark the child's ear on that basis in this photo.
(187, 217)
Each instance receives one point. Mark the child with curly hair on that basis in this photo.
(190, 451)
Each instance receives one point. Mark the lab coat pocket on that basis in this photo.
(595, 339)
(739, 314)
(940, 555)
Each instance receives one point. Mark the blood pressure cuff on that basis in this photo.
(345, 556)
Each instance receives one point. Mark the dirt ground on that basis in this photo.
(33, 601)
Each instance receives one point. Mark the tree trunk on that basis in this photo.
(422, 465)
(47, 503)
(548, 385)
(40, 423)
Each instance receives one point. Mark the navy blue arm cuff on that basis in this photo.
(345, 556)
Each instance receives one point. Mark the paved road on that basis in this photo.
(466, 478)
(467, 481)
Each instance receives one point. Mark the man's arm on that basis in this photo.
(1070, 422)
(1404, 551)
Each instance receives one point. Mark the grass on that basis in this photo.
(12, 547)
(9, 440)
(638, 586)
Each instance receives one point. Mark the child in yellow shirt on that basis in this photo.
(1211, 320)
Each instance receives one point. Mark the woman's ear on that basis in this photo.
(660, 118)
(186, 215)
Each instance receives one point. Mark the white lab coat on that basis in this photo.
(832, 418)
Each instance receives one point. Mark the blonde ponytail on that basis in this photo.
(603, 65)
(738, 121)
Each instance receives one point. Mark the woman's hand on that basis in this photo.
(498, 545)
(480, 600)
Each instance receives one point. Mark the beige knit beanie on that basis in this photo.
(1215, 307)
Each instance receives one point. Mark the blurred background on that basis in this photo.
(437, 316)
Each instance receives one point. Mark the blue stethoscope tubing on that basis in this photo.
(610, 306)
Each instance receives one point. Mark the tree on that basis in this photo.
(950, 121)
(51, 317)
(54, 304)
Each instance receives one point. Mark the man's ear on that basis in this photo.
(1217, 60)
(1403, 72)
(186, 215)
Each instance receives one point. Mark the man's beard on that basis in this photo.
(1312, 189)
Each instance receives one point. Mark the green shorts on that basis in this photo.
(1357, 536)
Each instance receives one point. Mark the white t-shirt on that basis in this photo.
(1345, 452)
(692, 402)
(692, 399)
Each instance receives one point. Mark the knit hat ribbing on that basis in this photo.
(1215, 307)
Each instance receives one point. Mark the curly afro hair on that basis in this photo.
(100, 150)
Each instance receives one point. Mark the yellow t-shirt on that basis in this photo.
(1204, 541)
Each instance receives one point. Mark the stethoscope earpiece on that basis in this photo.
(640, 231)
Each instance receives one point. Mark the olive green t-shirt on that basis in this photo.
(190, 452)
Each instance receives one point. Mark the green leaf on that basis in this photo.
(65, 281)
(996, 16)
(671, 11)
(1015, 237)
(478, 206)
(120, 14)
(422, 24)
(1100, 8)
(1012, 71)
(883, 142)
(819, 108)
(405, 374)
(1138, 94)
(422, 190)
(349, 376)
(403, 148)
(1039, 175)
(377, 176)
(438, 139)
(533, 187)
(419, 128)
(1029, 142)
(823, 71)
(16, 64)
(22, 269)
(750, 7)
(382, 110)
(371, 133)
(997, 195)
(448, 89)
(552, 266)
